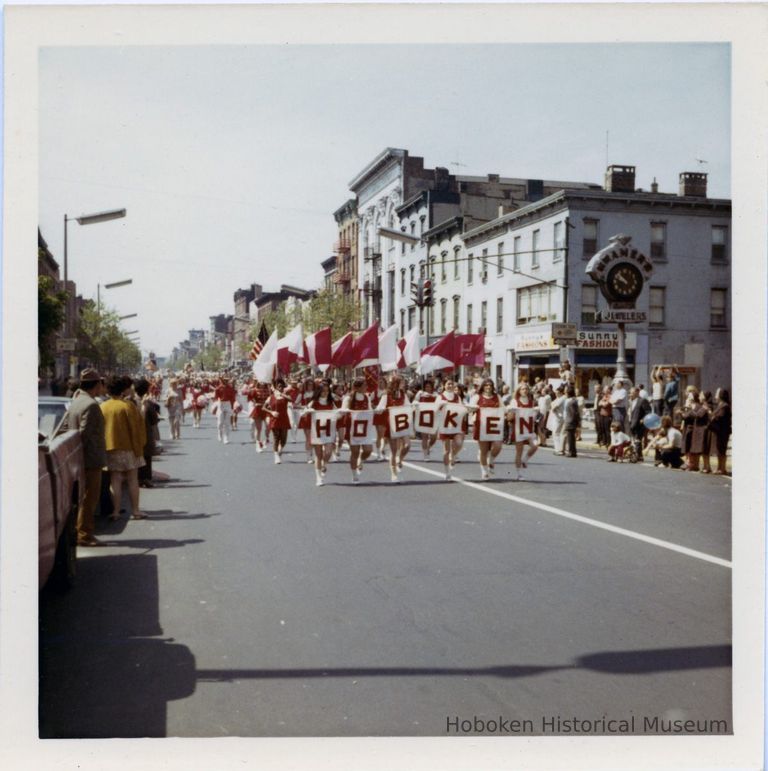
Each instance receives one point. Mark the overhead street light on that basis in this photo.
(89, 219)
(129, 316)
(118, 283)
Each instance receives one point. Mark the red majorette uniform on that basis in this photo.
(305, 401)
(225, 393)
(381, 418)
(293, 395)
(484, 401)
(524, 405)
(280, 406)
(257, 396)
(389, 400)
(354, 402)
(454, 399)
(343, 422)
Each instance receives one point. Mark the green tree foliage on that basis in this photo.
(50, 317)
(103, 344)
(329, 309)
(210, 358)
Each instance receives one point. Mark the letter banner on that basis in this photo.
(491, 424)
(361, 430)
(452, 418)
(427, 418)
(525, 423)
(400, 421)
(323, 427)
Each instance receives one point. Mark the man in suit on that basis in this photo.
(85, 415)
(639, 407)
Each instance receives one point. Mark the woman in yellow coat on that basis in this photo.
(126, 436)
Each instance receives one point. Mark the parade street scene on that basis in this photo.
(362, 420)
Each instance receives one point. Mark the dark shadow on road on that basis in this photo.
(173, 487)
(167, 514)
(150, 544)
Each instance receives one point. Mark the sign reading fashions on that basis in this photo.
(451, 418)
(361, 430)
(323, 427)
(427, 418)
(400, 421)
(603, 340)
(491, 421)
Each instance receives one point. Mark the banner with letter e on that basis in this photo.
(452, 418)
(427, 418)
(525, 423)
(400, 421)
(361, 429)
(323, 427)
(491, 424)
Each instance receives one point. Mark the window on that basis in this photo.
(558, 238)
(717, 299)
(588, 303)
(656, 302)
(470, 263)
(402, 281)
(516, 252)
(484, 315)
(432, 268)
(499, 315)
(413, 273)
(484, 266)
(469, 319)
(589, 246)
(534, 304)
(402, 322)
(421, 224)
(659, 241)
(500, 260)
(413, 233)
(432, 312)
(443, 267)
(443, 314)
(456, 310)
(535, 249)
(456, 262)
(719, 240)
(411, 316)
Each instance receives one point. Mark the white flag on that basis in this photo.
(412, 350)
(388, 351)
(264, 367)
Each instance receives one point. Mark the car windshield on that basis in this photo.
(50, 415)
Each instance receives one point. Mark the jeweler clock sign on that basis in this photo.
(620, 271)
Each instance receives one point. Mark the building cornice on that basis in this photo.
(384, 158)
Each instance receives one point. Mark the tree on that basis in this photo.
(329, 309)
(210, 358)
(51, 308)
(102, 343)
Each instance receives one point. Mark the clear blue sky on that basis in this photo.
(232, 159)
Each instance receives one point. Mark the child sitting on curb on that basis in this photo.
(619, 443)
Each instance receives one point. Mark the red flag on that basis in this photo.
(439, 355)
(371, 379)
(367, 347)
(342, 351)
(401, 353)
(258, 343)
(470, 350)
(318, 349)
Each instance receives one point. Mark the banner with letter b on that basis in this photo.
(400, 421)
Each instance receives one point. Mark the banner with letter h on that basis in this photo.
(323, 427)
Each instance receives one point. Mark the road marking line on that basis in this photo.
(578, 518)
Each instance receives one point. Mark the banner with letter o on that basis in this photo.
(452, 418)
(400, 421)
(361, 430)
(323, 427)
(491, 424)
(427, 418)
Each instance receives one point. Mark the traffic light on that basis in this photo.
(426, 294)
(416, 292)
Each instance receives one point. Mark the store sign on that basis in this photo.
(537, 341)
(622, 316)
(564, 333)
(588, 340)
(66, 344)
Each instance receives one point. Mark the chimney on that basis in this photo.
(534, 189)
(620, 179)
(693, 183)
(493, 177)
(654, 186)
(442, 179)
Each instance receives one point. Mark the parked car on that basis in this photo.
(61, 485)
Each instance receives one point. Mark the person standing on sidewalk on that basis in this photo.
(619, 402)
(639, 407)
(85, 416)
(150, 413)
(556, 419)
(572, 421)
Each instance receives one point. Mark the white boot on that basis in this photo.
(355, 477)
(277, 459)
(394, 477)
(448, 476)
(319, 479)
(484, 472)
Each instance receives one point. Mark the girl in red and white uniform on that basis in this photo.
(321, 401)
(225, 396)
(452, 443)
(308, 392)
(258, 393)
(357, 400)
(488, 398)
(395, 396)
(293, 394)
(427, 395)
(380, 422)
(523, 450)
(277, 407)
(339, 392)
(199, 401)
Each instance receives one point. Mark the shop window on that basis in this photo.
(717, 301)
(656, 303)
(589, 244)
(659, 241)
(719, 241)
(588, 303)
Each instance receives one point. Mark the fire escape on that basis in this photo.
(372, 285)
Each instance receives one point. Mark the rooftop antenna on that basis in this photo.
(700, 161)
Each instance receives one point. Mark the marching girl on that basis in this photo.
(355, 401)
(426, 395)
(339, 392)
(199, 400)
(394, 396)
(322, 400)
(523, 450)
(293, 393)
(183, 388)
(485, 398)
(452, 443)
(175, 407)
(277, 407)
(225, 396)
(237, 408)
(308, 393)
(257, 395)
(380, 423)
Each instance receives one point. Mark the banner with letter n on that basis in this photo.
(525, 423)
(427, 418)
(491, 424)
(452, 418)
(400, 421)
(361, 430)
(323, 427)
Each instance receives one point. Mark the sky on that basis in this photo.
(230, 160)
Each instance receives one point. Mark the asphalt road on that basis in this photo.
(252, 603)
